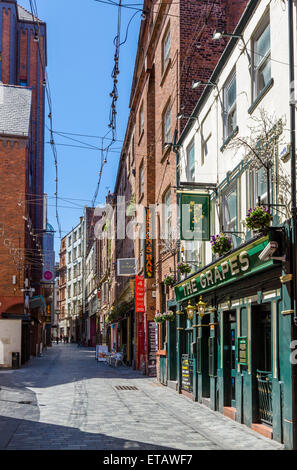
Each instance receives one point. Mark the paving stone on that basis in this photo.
(75, 406)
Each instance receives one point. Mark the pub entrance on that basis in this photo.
(263, 363)
(230, 360)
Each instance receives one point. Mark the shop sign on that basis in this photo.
(127, 266)
(242, 351)
(240, 264)
(148, 248)
(139, 294)
(195, 216)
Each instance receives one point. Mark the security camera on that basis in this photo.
(268, 252)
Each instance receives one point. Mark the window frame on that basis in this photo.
(233, 223)
(265, 23)
(192, 168)
(166, 131)
(141, 119)
(167, 214)
(166, 54)
(228, 112)
(141, 179)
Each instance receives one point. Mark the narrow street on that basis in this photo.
(67, 400)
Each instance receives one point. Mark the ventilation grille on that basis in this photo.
(125, 387)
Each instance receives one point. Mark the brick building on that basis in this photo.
(175, 47)
(23, 59)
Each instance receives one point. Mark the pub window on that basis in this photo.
(230, 119)
(191, 162)
(261, 58)
(206, 130)
(230, 209)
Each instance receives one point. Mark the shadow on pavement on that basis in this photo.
(22, 434)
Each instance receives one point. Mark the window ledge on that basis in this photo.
(230, 137)
(165, 153)
(260, 96)
(140, 137)
(168, 65)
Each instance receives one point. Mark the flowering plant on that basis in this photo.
(258, 219)
(168, 315)
(184, 268)
(159, 317)
(169, 280)
(221, 244)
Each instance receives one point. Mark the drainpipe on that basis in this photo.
(294, 210)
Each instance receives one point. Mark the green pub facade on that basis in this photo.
(236, 356)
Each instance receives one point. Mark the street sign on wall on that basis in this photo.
(139, 294)
(148, 248)
(127, 267)
(195, 216)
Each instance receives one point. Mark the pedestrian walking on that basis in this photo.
(57, 339)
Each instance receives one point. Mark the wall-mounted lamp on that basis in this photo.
(190, 309)
(218, 34)
(182, 116)
(197, 83)
(201, 307)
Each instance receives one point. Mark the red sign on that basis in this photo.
(139, 294)
(99, 293)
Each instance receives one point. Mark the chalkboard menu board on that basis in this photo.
(152, 371)
(242, 351)
(187, 373)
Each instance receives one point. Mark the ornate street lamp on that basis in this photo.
(190, 311)
(201, 307)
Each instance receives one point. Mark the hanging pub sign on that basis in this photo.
(139, 294)
(126, 266)
(148, 248)
(195, 216)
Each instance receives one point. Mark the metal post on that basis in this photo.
(293, 193)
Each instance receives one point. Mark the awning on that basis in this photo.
(38, 302)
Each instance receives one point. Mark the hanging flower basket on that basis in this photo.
(221, 244)
(184, 268)
(169, 315)
(159, 317)
(258, 219)
(169, 280)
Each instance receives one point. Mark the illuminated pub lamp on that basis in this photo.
(190, 311)
(201, 307)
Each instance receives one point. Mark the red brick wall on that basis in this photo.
(6, 45)
(12, 233)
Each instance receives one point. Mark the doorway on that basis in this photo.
(230, 360)
(263, 363)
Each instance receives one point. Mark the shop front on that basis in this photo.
(233, 338)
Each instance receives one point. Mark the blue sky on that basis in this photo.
(80, 50)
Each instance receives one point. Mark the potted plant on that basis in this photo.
(258, 219)
(221, 244)
(158, 317)
(169, 315)
(169, 280)
(184, 268)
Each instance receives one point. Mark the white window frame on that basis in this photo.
(231, 225)
(264, 60)
(141, 119)
(229, 112)
(167, 215)
(190, 169)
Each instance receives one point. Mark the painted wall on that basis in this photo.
(10, 340)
